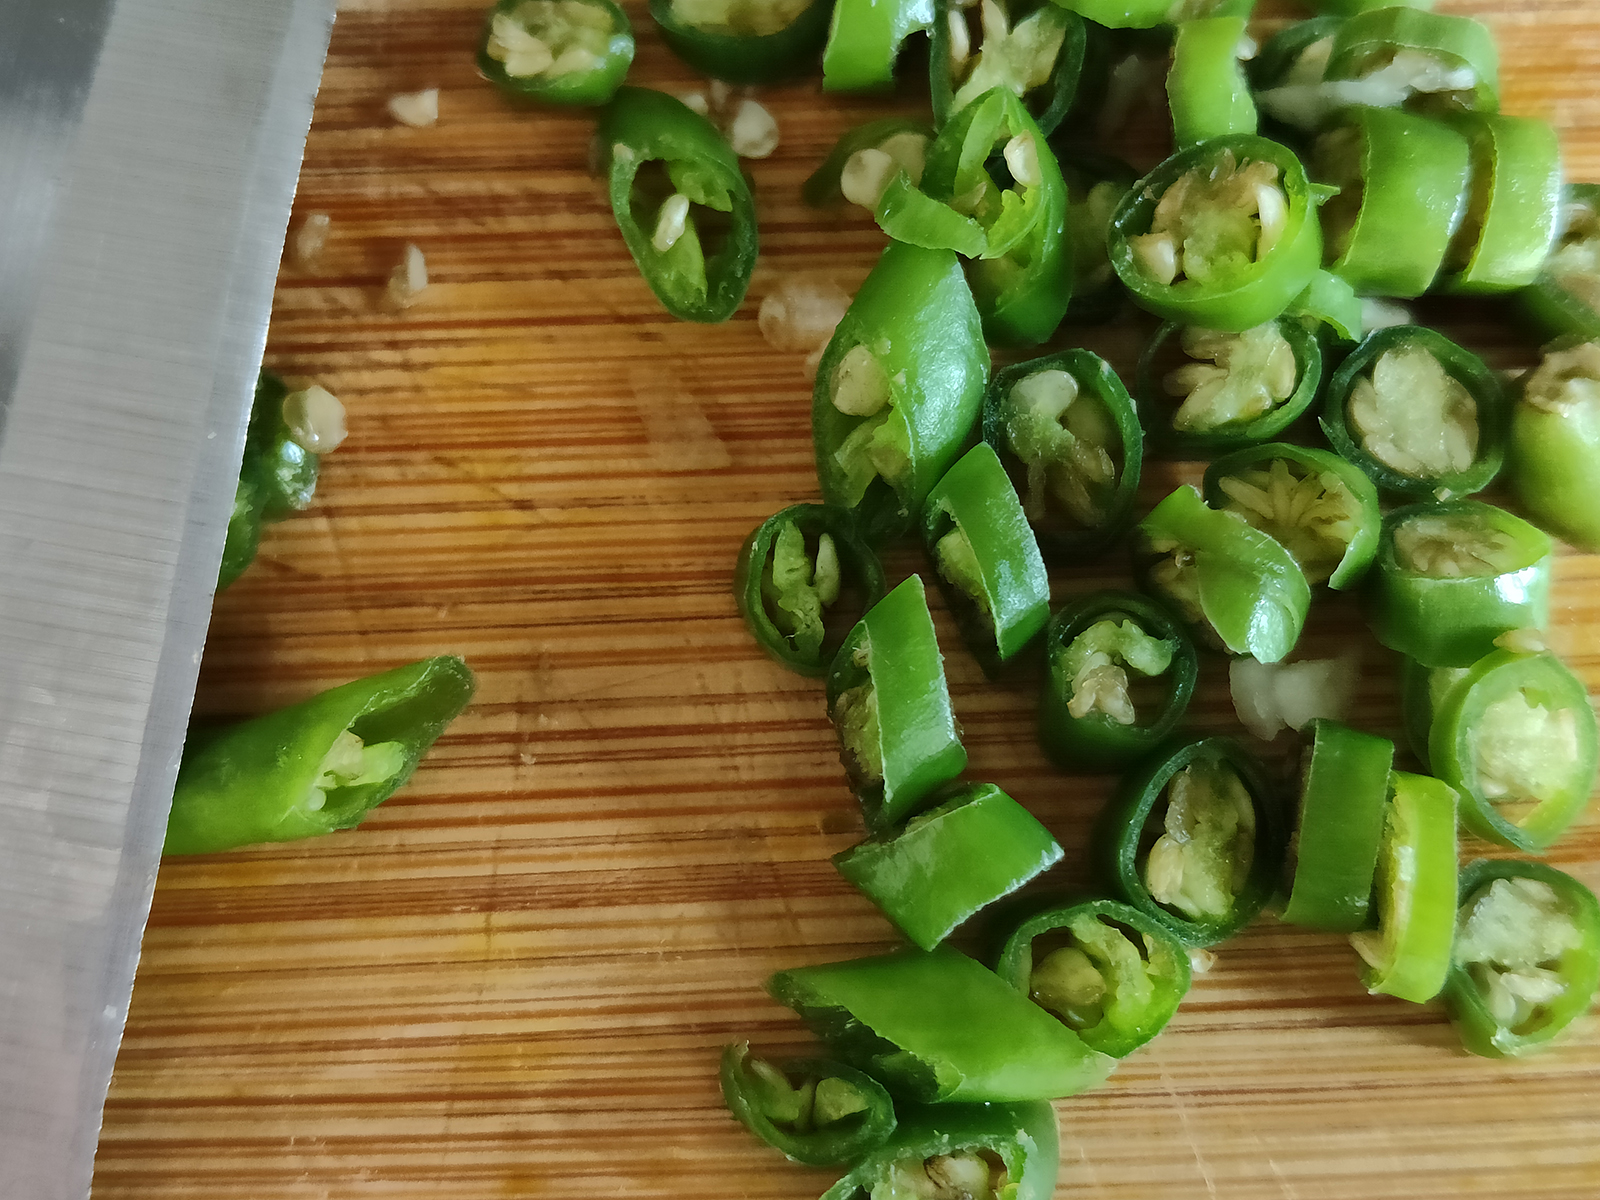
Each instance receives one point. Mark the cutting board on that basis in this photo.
(515, 978)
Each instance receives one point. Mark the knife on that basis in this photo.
(150, 152)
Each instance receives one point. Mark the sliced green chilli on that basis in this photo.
(1513, 212)
(889, 702)
(1204, 390)
(1223, 235)
(1238, 587)
(1032, 48)
(1555, 444)
(1106, 970)
(1066, 431)
(1433, 62)
(1451, 578)
(1408, 954)
(1515, 736)
(792, 570)
(1527, 957)
(1119, 673)
(1564, 302)
(1193, 839)
(815, 1111)
(1403, 195)
(987, 559)
(1206, 87)
(944, 865)
(735, 42)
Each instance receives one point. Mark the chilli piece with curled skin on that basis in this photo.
(889, 702)
(1319, 507)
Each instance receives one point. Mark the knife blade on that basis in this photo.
(151, 150)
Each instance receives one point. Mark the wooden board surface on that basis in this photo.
(514, 979)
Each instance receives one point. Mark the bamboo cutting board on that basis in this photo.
(515, 978)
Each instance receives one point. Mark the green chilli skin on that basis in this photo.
(1366, 521)
(1133, 1011)
(1408, 955)
(934, 1026)
(975, 506)
(1371, 38)
(263, 780)
(1156, 408)
(593, 86)
(747, 58)
(641, 126)
(1555, 444)
(842, 1141)
(1095, 741)
(911, 737)
(1344, 788)
(1413, 194)
(864, 40)
(1491, 407)
(1243, 296)
(1550, 306)
(1330, 306)
(1206, 88)
(940, 868)
(859, 563)
(1514, 214)
(1022, 1136)
(1575, 964)
(1064, 538)
(1452, 620)
(1119, 835)
(277, 478)
(1248, 593)
(915, 315)
(1474, 709)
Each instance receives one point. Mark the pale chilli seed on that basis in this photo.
(860, 384)
(416, 109)
(408, 278)
(310, 239)
(960, 39)
(1022, 157)
(671, 222)
(865, 176)
(1157, 254)
(753, 132)
(315, 419)
(1274, 215)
